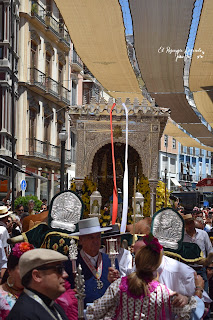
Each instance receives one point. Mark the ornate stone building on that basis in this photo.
(92, 125)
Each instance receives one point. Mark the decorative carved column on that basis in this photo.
(153, 185)
(80, 152)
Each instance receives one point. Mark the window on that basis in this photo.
(165, 141)
(184, 149)
(1, 52)
(172, 165)
(73, 146)
(49, 6)
(48, 65)
(173, 143)
(74, 93)
(1, 22)
(33, 60)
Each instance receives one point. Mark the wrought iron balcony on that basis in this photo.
(87, 73)
(77, 64)
(52, 87)
(37, 78)
(64, 35)
(47, 151)
(64, 94)
(52, 23)
(38, 11)
(5, 144)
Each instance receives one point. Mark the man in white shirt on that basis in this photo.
(4, 235)
(198, 236)
(201, 238)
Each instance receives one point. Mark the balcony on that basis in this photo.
(64, 95)
(38, 12)
(87, 74)
(64, 35)
(52, 87)
(5, 144)
(46, 22)
(47, 86)
(37, 79)
(52, 24)
(43, 150)
(77, 64)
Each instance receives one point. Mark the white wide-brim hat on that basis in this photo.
(4, 212)
(89, 226)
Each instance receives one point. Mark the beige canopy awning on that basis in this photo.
(97, 31)
(182, 137)
(201, 70)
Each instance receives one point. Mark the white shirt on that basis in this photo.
(4, 235)
(124, 260)
(201, 238)
(93, 260)
(3, 258)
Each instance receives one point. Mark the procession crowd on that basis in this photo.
(144, 283)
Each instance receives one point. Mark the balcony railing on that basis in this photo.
(38, 11)
(64, 34)
(52, 86)
(47, 151)
(37, 78)
(64, 94)
(87, 72)
(5, 144)
(76, 59)
(52, 23)
(55, 26)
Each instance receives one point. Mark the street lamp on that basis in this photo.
(63, 135)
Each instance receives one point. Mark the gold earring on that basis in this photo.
(10, 284)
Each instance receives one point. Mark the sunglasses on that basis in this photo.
(20, 210)
(211, 268)
(59, 268)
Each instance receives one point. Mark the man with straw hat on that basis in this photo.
(96, 266)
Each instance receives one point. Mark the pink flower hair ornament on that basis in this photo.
(152, 242)
(21, 248)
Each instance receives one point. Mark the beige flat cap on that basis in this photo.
(35, 258)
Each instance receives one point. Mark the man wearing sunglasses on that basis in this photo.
(43, 278)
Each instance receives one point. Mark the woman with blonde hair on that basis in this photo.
(140, 295)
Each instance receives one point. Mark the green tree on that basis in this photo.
(25, 200)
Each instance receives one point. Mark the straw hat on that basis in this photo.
(89, 226)
(4, 212)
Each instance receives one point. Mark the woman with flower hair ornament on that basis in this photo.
(140, 295)
(11, 286)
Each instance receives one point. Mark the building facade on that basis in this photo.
(185, 166)
(44, 96)
(8, 52)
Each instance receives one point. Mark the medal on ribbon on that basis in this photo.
(96, 272)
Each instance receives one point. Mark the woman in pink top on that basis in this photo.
(140, 295)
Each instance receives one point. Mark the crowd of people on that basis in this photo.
(39, 283)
